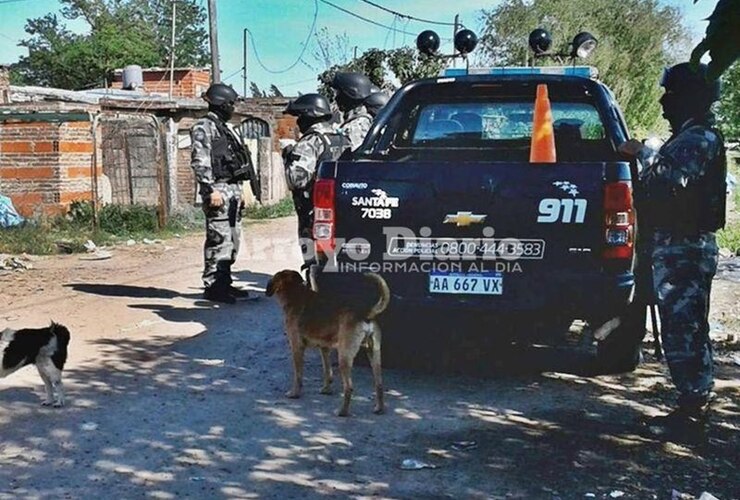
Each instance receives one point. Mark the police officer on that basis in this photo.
(682, 190)
(375, 102)
(319, 142)
(221, 163)
(351, 91)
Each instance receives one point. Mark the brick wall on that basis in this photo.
(271, 109)
(45, 166)
(186, 82)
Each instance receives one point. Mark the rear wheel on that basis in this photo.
(621, 350)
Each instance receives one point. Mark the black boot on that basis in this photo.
(687, 424)
(238, 292)
(219, 294)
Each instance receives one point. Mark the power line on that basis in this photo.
(366, 19)
(290, 84)
(232, 75)
(303, 51)
(406, 16)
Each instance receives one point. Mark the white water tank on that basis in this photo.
(133, 77)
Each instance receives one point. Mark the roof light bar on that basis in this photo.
(582, 71)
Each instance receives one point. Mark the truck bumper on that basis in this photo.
(580, 296)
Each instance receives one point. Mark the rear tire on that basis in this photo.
(621, 351)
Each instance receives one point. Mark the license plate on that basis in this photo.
(488, 283)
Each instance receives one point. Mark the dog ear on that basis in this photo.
(270, 290)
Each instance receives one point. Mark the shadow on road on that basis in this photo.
(206, 417)
(130, 291)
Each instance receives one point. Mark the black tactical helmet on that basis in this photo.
(354, 86)
(682, 80)
(375, 102)
(311, 105)
(219, 94)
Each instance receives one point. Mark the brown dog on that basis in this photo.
(314, 320)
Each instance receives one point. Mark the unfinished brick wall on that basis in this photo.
(44, 166)
(271, 110)
(186, 82)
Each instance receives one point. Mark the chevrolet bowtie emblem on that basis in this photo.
(464, 218)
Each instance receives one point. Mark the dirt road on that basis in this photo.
(172, 397)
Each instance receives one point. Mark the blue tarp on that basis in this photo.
(8, 216)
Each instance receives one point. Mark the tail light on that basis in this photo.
(324, 215)
(619, 221)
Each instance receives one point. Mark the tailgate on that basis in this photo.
(525, 230)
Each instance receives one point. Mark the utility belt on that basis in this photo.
(680, 219)
(233, 176)
(229, 180)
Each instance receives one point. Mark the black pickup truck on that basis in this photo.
(443, 201)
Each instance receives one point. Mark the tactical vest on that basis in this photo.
(228, 156)
(334, 146)
(699, 207)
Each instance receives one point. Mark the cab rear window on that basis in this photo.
(474, 124)
(492, 121)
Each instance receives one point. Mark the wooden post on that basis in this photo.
(213, 34)
(172, 47)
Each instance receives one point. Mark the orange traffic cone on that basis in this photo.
(543, 138)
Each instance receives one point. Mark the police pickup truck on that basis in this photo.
(448, 202)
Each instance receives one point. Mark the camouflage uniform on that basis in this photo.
(356, 125)
(300, 171)
(223, 224)
(684, 206)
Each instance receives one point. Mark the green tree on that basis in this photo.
(385, 68)
(121, 33)
(637, 39)
(728, 110)
(255, 90)
(331, 50)
(275, 91)
(408, 64)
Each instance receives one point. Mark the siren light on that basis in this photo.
(427, 42)
(583, 44)
(465, 41)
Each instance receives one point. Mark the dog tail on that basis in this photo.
(61, 333)
(385, 295)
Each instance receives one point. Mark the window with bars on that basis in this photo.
(254, 128)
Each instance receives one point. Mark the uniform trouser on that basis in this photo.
(304, 209)
(223, 235)
(683, 269)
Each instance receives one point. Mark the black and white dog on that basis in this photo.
(44, 347)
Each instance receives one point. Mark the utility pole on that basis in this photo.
(172, 48)
(213, 32)
(245, 63)
(454, 32)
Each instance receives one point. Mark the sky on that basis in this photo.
(280, 29)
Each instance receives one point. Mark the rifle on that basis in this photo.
(644, 284)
